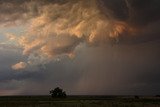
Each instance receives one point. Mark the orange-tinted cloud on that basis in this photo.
(18, 66)
(56, 28)
(61, 27)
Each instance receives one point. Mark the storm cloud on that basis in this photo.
(105, 46)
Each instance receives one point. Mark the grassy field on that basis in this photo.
(79, 101)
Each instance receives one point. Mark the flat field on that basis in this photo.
(79, 101)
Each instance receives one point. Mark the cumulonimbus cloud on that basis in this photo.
(60, 28)
(55, 28)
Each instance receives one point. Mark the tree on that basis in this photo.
(136, 97)
(58, 93)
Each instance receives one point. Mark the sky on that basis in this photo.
(86, 47)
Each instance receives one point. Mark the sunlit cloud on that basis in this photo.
(54, 29)
(19, 66)
(53, 33)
